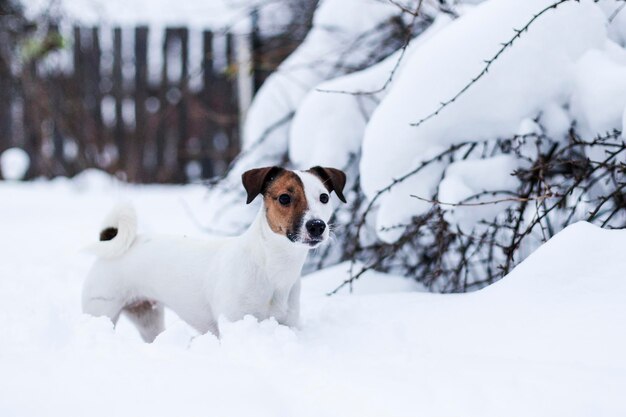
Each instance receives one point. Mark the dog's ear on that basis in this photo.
(255, 181)
(333, 179)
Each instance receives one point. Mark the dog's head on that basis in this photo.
(297, 203)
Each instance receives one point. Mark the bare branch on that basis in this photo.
(517, 199)
(409, 35)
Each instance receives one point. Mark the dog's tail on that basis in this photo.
(117, 234)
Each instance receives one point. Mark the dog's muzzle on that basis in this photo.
(315, 229)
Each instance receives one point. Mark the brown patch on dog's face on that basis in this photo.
(285, 204)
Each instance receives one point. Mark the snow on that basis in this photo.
(555, 120)
(320, 122)
(600, 93)
(547, 340)
(537, 71)
(323, 54)
(371, 282)
(14, 163)
(468, 178)
(614, 9)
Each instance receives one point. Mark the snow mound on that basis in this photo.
(371, 282)
(93, 179)
(14, 163)
(547, 340)
(600, 94)
(537, 71)
(327, 120)
(468, 178)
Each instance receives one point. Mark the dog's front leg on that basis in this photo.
(292, 317)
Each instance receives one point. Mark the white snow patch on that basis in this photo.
(521, 347)
(328, 126)
(477, 181)
(14, 163)
(600, 93)
(555, 120)
(371, 282)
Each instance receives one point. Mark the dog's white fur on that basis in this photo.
(256, 273)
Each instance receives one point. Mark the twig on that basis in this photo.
(485, 203)
(616, 12)
(489, 62)
(392, 74)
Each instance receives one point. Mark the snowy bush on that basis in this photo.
(496, 126)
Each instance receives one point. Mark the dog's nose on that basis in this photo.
(315, 227)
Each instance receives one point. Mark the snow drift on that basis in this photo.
(537, 71)
(547, 340)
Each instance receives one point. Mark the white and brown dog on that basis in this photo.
(257, 273)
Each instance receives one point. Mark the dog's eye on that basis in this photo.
(324, 198)
(284, 199)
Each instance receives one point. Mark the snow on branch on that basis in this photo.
(489, 62)
(410, 32)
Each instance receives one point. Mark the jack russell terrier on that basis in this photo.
(257, 273)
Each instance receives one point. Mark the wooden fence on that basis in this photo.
(104, 110)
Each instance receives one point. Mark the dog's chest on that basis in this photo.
(264, 302)
(262, 295)
(259, 285)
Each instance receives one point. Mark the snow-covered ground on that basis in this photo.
(547, 340)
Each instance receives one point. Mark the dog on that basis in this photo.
(256, 273)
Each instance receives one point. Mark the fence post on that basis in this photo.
(208, 78)
(31, 121)
(55, 94)
(183, 120)
(232, 106)
(6, 101)
(94, 99)
(79, 82)
(161, 134)
(118, 95)
(257, 53)
(72, 103)
(135, 162)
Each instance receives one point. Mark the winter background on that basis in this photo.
(477, 270)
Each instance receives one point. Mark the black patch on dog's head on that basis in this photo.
(108, 234)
